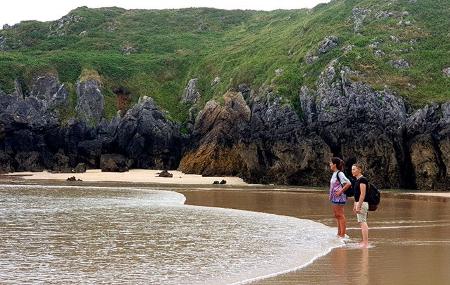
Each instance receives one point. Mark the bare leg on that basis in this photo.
(339, 215)
(365, 235)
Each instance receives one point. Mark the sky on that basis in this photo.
(12, 12)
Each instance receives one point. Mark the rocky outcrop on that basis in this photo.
(428, 139)
(400, 64)
(262, 143)
(146, 136)
(49, 91)
(327, 44)
(33, 138)
(446, 72)
(90, 102)
(191, 93)
(358, 123)
(265, 141)
(113, 163)
(358, 16)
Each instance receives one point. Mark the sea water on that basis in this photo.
(104, 235)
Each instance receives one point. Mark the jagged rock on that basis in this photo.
(358, 16)
(446, 71)
(215, 81)
(310, 58)
(379, 53)
(6, 163)
(48, 89)
(61, 26)
(165, 173)
(216, 182)
(245, 90)
(18, 89)
(28, 161)
(327, 44)
(262, 144)
(223, 182)
(73, 178)
(347, 115)
(375, 44)
(90, 151)
(61, 163)
(400, 64)
(279, 72)
(113, 163)
(428, 137)
(191, 93)
(89, 102)
(147, 137)
(80, 168)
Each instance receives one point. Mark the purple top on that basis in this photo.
(336, 186)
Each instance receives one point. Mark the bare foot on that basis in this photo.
(363, 245)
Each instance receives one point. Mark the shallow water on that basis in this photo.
(62, 235)
(410, 239)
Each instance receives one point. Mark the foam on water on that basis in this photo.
(60, 235)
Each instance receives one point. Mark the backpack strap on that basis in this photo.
(339, 179)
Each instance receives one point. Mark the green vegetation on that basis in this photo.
(155, 52)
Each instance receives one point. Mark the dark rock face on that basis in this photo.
(148, 138)
(90, 102)
(357, 123)
(261, 144)
(80, 168)
(428, 138)
(113, 163)
(33, 139)
(48, 89)
(265, 141)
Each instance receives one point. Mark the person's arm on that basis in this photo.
(344, 187)
(362, 188)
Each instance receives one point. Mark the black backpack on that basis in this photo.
(374, 197)
(350, 192)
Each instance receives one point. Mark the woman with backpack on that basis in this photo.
(361, 206)
(339, 183)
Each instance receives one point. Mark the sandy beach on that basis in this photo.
(133, 176)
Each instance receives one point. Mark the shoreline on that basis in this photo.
(148, 178)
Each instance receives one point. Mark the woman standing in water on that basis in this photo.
(361, 206)
(338, 185)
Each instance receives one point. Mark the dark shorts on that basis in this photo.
(338, 203)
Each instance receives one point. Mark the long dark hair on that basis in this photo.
(339, 163)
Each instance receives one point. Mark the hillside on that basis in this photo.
(403, 45)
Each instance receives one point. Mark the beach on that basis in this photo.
(409, 234)
(131, 176)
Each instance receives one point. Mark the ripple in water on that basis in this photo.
(60, 235)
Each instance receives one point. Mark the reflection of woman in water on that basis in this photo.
(338, 184)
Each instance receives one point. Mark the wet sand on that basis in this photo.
(409, 234)
(410, 238)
